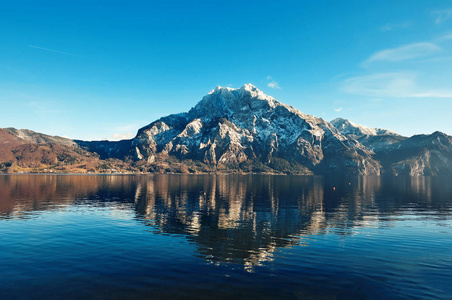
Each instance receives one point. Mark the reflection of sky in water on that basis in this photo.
(392, 236)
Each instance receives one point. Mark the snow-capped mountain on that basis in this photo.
(353, 130)
(233, 126)
(235, 130)
(375, 139)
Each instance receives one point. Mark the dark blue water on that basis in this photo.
(225, 237)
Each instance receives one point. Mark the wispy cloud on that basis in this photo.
(51, 50)
(129, 127)
(339, 109)
(43, 108)
(404, 52)
(444, 37)
(122, 136)
(272, 84)
(442, 15)
(396, 26)
(380, 85)
(123, 131)
(416, 70)
(394, 85)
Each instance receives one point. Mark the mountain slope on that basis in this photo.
(419, 155)
(233, 126)
(29, 136)
(353, 130)
(23, 150)
(107, 149)
(374, 139)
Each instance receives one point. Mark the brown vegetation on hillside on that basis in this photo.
(31, 153)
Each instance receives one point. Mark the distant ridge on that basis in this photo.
(25, 151)
(353, 130)
(240, 131)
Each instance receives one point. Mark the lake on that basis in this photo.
(225, 237)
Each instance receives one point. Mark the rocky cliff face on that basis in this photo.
(231, 126)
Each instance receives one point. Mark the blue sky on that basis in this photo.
(103, 69)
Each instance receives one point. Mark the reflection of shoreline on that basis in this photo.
(240, 219)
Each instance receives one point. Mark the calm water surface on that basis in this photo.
(225, 237)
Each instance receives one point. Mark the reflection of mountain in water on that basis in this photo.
(240, 219)
(233, 218)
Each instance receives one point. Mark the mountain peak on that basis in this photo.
(234, 126)
(249, 87)
(257, 93)
(226, 101)
(219, 89)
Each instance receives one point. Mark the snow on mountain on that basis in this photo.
(374, 139)
(353, 130)
(230, 126)
(236, 130)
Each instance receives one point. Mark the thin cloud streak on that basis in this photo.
(273, 84)
(51, 50)
(122, 136)
(444, 37)
(395, 26)
(392, 85)
(442, 15)
(397, 83)
(405, 52)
